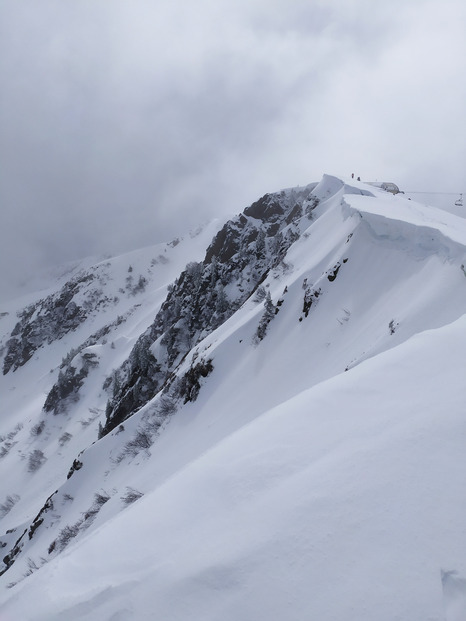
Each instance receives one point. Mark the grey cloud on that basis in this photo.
(122, 123)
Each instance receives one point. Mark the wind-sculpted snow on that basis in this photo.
(424, 229)
(275, 434)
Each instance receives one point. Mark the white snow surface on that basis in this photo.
(321, 474)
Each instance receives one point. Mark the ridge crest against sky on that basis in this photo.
(124, 124)
(263, 421)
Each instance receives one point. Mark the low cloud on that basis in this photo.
(123, 124)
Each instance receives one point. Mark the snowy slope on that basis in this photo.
(320, 473)
(24, 427)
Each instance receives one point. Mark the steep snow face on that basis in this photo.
(278, 435)
(344, 500)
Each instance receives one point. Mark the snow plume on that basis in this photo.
(269, 428)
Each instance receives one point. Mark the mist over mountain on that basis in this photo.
(261, 420)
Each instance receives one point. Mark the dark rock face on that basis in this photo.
(266, 208)
(66, 389)
(60, 313)
(206, 294)
(48, 320)
(74, 369)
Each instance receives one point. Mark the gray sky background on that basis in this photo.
(126, 122)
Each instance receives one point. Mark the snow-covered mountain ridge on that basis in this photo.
(252, 414)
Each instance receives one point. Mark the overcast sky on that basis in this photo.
(126, 122)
